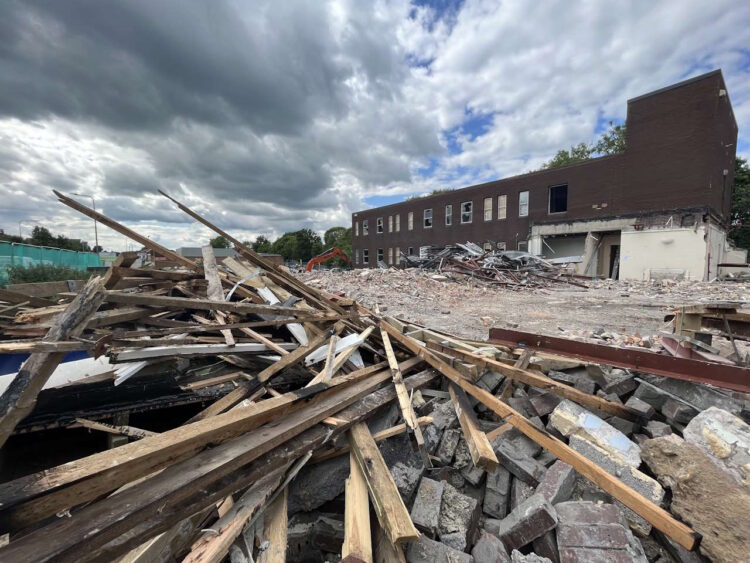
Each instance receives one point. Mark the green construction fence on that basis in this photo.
(14, 254)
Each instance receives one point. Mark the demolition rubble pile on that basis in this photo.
(512, 269)
(295, 424)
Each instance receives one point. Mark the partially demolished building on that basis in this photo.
(658, 209)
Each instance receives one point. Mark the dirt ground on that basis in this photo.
(468, 309)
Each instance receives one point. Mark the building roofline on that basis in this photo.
(685, 82)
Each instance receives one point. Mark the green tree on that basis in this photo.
(262, 244)
(577, 153)
(298, 245)
(219, 242)
(340, 237)
(612, 141)
(739, 230)
(40, 236)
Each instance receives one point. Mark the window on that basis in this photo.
(448, 215)
(428, 218)
(390, 223)
(488, 209)
(523, 204)
(398, 223)
(523, 245)
(501, 246)
(364, 227)
(390, 256)
(467, 210)
(356, 228)
(487, 246)
(380, 225)
(502, 206)
(398, 254)
(558, 198)
(365, 256)
(356, 256)
(380, 255)
(410, 221)
(410, 251)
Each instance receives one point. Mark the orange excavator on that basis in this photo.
(334, 252)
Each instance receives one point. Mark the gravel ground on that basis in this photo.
(468, 309)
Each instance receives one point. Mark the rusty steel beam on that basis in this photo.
(729, 377)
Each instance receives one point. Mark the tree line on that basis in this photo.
(41, 236)
(298, 245)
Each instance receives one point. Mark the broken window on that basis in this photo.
(398, 254)
(488, 209)
(467, 211)
(410, 251)
(558, 198)
(487, 246)
(364, 227)
(365, 256)
(356, 228)
(410, 221)
(448, 215)
(501, 246)
(398, 223)
(502, 206)
(380, 255)
(390, 256)
(380, 225)
(356, 256)
(390, 223)
(523, 204)
(428, 218)
(523, 245)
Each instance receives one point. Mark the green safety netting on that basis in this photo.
(14, 254)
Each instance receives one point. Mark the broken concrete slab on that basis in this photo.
(641, 407)
(425, 513)
(518, 557)
(497, 493)
(432, 438)
(457, 514)
(518, 463)
(455, 540)
(705, 497)
(699, 396)
(444, 415)
(490, 381)
(425, 550)
(632, 477)
(651, 395)
(406, 478)
(318, 484)
(545, 403)
(526, 522)
(726, 440)
(572, 419)
(557, 484)
(656, 429)
(678, 412)
(448, 445)
(617, 381)
(489, 549)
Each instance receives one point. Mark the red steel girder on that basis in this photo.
(729, 377)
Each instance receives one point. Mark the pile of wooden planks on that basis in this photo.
(216, 385)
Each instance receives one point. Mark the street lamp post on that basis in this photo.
(93, 205)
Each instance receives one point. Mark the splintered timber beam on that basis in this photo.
(404, 401)
(112, 526)
(19, 398)
(31, 498)
(655, 515)
(275, 528)
(541, 382)
(389, 507)
(123, 430)
(480, 448)
(214, 290)
(357, 540)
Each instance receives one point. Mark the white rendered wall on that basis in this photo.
(663, 249)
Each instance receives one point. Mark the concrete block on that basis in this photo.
(455, 540)
(425, 513)
(627, 427)
(702, 397)
(619, 382)
(546, 458)
(526, 522)
(489, 549)
(605, 536)
(473, 474)
(586, 384)
(431, 437)
(458, 513)
(490, 381)
(520, 441)
(546, 546)
(444, 415)
(677, 411)
(519, 492)
(557, 484)
(406, 478)
(642, 407)
(518, 557)
(519, 464)
(545, 403)
(648, 394)
(656, 429)
(563, 377)
(725, 438)
(462, 456)
(425, 550)
(572, 419)
(448, 445)
(497, 493)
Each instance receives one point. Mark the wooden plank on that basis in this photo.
(92, 527)
(327, 372)
(124, 430)
(46, 289)
(28, 499)
(19, 398)
(389, 507)
(13, 297)
(655, 515)
(37, 346)
(540, 381)
(214, 290)
(357, 541)
(480, 448)
(345, 354)
(275, 530)
(385, 551)
(404, 401)
(229, 400)
(188, 350)
(155, 274)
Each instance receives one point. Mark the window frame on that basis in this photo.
(410, 221)
(379, 225)
(449, 215)
(549, 199)
(397, 255)
(365, 227)
(356, 256)
(365, 255)
(487, 211)
(356, 228)
(470, 212)
(425, 218)
(526, 214)
(503, 207)
(398, 222)
(390, 256)
(379, 256)
(390, 223)
(410, 251)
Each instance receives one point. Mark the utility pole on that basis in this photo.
(96, 234)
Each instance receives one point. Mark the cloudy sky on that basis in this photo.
(274, 116)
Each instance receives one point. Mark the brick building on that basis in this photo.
(658, 209)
